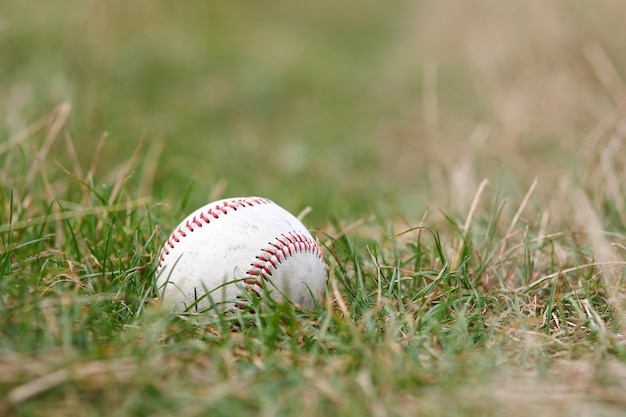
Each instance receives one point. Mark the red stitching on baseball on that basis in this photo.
(275, 253)
(270, 258)
(251, 281)
(207, 217)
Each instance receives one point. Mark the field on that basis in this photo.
(463, 165)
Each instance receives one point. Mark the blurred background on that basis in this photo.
(341, 106)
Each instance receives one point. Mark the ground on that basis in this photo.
(462, 164)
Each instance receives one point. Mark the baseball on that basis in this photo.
(240, 244)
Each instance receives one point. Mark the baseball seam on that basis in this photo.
(276, 252)
(272, 256)
(205, 217)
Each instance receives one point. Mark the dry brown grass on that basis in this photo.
(466, 166)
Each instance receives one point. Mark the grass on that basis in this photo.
(459, 284)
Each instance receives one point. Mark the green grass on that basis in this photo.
(447, 295)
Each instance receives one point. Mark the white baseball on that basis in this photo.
(236, 244)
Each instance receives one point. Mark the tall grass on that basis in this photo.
(472, 214)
